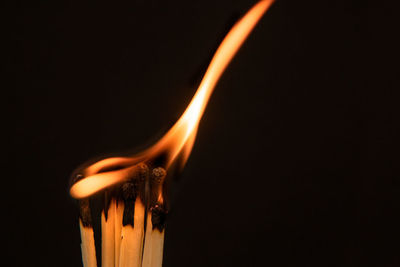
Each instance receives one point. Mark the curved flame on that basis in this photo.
(180, 138)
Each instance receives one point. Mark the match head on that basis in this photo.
(158, 174)
(143, 172)
(129, 190)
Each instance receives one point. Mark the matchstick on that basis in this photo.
(119, 211)
(108, 232)
(87, 235)
(132, 232)
(132, 239)
(154, 239)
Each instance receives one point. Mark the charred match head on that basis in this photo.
(158, 216)
(85, 212)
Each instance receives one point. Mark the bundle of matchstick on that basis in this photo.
(133, 217)
(132, 222)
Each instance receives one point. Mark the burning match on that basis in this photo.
(134, 188)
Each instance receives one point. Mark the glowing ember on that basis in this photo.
(179, 140)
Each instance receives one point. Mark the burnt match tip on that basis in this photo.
(159, 173)
(128, 190)
(75, 177)
(143, 171)
(158, 217)
(84, 212)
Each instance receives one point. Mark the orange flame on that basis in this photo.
(180, 138)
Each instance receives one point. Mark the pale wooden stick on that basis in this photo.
(87, 236)
(132, 232)
(119, 212)
(153, 245)
(132, 238)
(87, 245)
(154, 239)
(108, 235)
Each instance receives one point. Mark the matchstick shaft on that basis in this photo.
(87, 246)
(132, 239)
(153, 245)
(119, 211)
(108, 235)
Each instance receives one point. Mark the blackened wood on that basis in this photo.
(85, 213)
(129, 193)
(130, 190)
(156, 183)
(158, 217)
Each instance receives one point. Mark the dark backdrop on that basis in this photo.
(294, 163)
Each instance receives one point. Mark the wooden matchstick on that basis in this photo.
(132, 238)
(108, 231)
(154, 239)
(132, 232)
(87, 235)
(119, 212)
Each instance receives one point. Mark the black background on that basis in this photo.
(294, 163)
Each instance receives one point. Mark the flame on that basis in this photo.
(179, 140)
